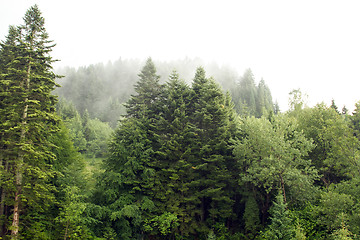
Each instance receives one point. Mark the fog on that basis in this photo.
(311, 45)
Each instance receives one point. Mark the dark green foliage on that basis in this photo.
(181, 163)
(172, 151)
(280, 226)
(251, 217)
(123, 186)
(28, 119)
(147, 90)
(211, 147)
(41, 172)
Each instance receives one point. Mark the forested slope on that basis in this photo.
(142, 150)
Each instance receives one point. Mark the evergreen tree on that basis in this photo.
(130, 169)
(247, 93)
(147, 90)
(264, 101)
(211, 151)
(280, 226)
(123, 189)
(174, 137)
(28, 119)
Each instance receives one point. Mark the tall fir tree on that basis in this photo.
(212, 117)
(28, 119)
(175, 136)
(129, 175)
(148, 90)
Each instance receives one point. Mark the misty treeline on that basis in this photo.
(133, 151)
(102, 89)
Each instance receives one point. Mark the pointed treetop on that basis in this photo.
(34, 24)
(200, 73)
(149, 71)
(200, 78)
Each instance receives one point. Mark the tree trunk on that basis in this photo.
(2, 197)
(66, 230)
(19, 165)
(2, 201)
(15, 223)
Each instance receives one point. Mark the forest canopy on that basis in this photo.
(166, 150)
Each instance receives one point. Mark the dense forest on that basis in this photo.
(166, 150)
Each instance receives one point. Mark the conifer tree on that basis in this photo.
(264, 100)
(175, 136)
(280, 226)
(129, 176)
(247, 93)
(28, 109)
(211, 150)
(147, 90)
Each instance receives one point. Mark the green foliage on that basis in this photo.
(336, 152)
(334, 208)
(174, 150)
(281, 226)
(342, 234)
(90, 136)
(306, 223)
(27, 121)
(164, 224)
(180, 164)
(97, 135)
(252, 100)
(71, 214)
(299, 232)
(251, 217)
(355, 120)
(277, 144)
(211, 235)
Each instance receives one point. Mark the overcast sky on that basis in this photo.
(313, 45)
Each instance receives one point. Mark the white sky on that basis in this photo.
(313, 45)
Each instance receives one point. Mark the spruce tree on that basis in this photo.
(28, 118)
(175, 136)
(147, 90)
(280, 226)
(212, 117)
(129, 176)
